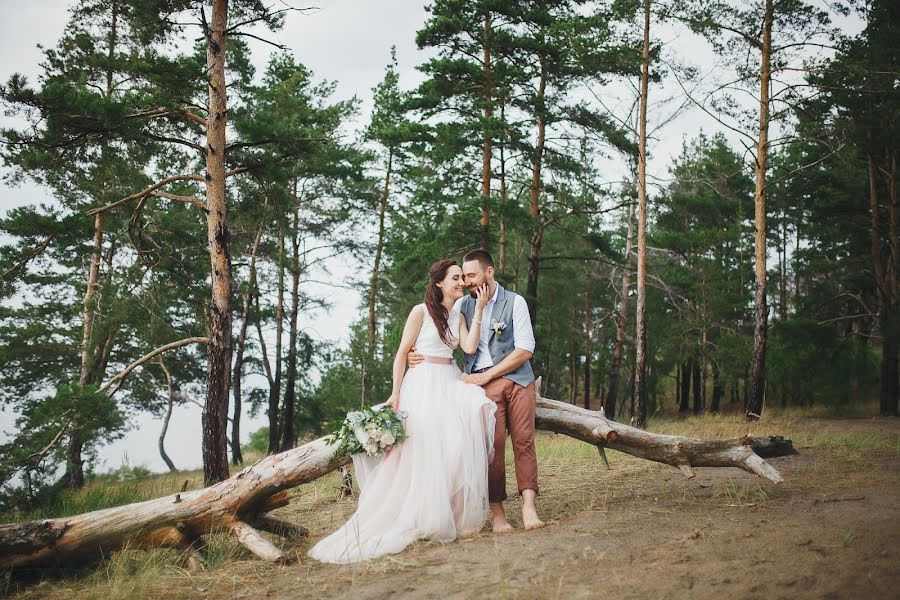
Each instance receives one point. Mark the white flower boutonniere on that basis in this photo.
(497, 326)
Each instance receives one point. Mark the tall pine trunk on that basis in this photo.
(486, 142)
(74, 460)
(373, 284)
(170, 395)
(890, 349)
(587, 348)
(639, 410)
(236, 456)
(684, 396)
(275, 387)
(698, 387)
(537, 234)
(718, 390)
(760, 331)
(615, 367)
(885, 288)
(218, 379)
(290, 392)
(502, 202)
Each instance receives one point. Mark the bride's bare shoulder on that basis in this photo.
(417, 314)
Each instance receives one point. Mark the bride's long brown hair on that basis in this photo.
(435, 295)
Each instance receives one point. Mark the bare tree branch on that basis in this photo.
(143, 193)
(115, 381)
(19, 266)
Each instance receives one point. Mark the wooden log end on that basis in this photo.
(687, 471)
(757, 465)
(772, 446)
(606, 433)
(254, 541)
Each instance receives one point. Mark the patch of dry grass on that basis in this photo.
(574, 482)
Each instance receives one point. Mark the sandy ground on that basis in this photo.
(832, 530)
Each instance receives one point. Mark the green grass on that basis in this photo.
(106, 491)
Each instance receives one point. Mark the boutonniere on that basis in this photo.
(498, 326)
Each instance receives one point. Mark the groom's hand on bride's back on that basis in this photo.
(413, 358)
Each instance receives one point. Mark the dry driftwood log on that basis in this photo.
(239, 505)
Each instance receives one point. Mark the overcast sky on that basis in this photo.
(347, 41)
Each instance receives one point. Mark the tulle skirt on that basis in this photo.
(434, 484)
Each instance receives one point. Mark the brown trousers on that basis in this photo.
(515, 410)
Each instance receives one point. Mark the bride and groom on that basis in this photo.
(441, 481)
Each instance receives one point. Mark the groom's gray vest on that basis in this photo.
(502, 343)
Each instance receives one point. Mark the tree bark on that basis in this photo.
(486, 134)
(74, 461)
(639, 410)
(290, 392)
(236, 457)
(240, 504)
(760, 330)
(503, 240)
(782, 268)
(170, 395)
(698, 386)
(218, 379)
(537, 234)
(718, 390)
(891, 322)
(686, 369)
(615, 367)
(884, 287)
(587, 348)
(275, 388)
(373, 283)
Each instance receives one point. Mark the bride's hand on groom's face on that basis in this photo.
(481, 296)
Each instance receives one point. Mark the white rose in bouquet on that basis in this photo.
(362, 435)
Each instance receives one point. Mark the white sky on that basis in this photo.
(347, 41)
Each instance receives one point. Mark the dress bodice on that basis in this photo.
(429, 341)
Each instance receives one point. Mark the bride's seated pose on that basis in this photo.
(434, 484)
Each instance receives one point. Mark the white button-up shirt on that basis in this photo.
(523, 334)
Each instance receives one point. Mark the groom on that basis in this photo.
(500, 366)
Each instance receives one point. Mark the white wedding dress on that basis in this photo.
(434, 484)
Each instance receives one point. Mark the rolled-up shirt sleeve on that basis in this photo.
(523, 334)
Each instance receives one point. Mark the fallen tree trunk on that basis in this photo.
(239, 505)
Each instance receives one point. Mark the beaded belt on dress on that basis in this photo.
(438, 360)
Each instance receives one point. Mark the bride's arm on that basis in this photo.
(468, 340)
(410, 333)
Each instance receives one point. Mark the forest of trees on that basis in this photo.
(193, 196)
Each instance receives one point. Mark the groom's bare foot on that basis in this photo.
(530, 518)
(501, 525)
(529, 513)
(498, 519)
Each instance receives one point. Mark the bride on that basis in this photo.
(434, 484)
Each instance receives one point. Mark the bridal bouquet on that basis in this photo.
(369, 430)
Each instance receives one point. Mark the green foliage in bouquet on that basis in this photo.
(370, 431)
